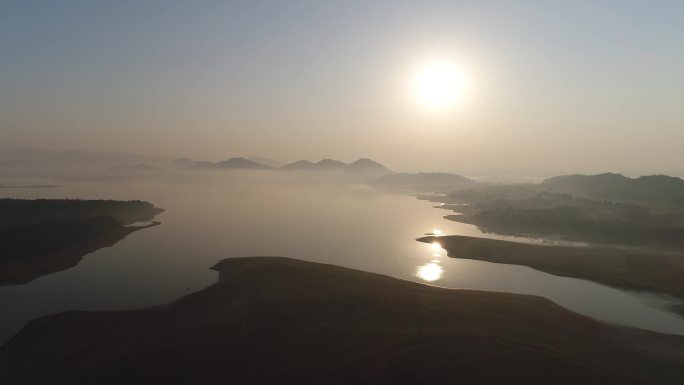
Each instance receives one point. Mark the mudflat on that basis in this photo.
(271, 320)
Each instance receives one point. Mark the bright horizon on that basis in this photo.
(534, 89)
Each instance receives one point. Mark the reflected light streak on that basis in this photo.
(436, 246)
(430, 272)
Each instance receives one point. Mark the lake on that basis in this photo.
(219, 215)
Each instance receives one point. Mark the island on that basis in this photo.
(43, 236)
(658, 271)
(271, 320)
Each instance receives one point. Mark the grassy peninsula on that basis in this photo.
(274, 320)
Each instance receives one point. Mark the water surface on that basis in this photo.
(226, 215)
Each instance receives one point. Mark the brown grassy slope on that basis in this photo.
(282, 321)
(656, 271)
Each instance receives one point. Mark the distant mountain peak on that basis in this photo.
(368, 164)
(331, 163)
(298, 165)
(238, 159)
(265, 161)
(232, 163)
(240, 162)
(362, 167)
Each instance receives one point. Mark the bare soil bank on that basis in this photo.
(272, 320)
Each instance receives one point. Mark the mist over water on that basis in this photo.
(211, 216)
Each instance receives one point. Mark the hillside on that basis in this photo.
(275, 320)
(423, 182)
(656, 191)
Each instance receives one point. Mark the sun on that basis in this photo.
(439, 85)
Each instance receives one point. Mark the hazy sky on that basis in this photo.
(553, 86)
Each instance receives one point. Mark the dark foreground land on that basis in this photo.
(273, 320)
(23, 211)
(650, 270)
(43, 236)
(33, 250)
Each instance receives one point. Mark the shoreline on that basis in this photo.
(27, 270)
(658, 272)
(280, 320)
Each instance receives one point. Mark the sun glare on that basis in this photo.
(430, 272)
(439, 85)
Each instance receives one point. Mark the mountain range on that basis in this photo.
(362, 166)
(655, 191)
(42, 161)
(232, 163)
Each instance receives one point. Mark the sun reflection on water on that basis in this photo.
(433, 270)
(430, 271)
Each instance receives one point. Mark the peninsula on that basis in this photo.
(272, 320)
(659, 271)
(44, 236)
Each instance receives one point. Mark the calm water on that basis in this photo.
(223, 216)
